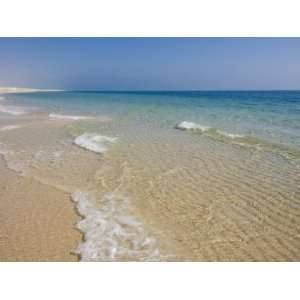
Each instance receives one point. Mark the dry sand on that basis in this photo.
(8, 90)
(37, 221)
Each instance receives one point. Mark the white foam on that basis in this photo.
(67, 117)
(110, 234)
(193, 126)
(185, 125)
(94, 142)
(12, 110)
(10, 127)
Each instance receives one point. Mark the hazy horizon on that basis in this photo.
(151, 64)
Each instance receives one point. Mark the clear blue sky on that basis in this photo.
(150, 63)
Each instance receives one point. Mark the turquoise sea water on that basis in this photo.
(273, 116)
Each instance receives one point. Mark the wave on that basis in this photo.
(12, 110)
(242, 140)
(94, 142)
(110, 234)
(185, 125)
(67, 117)
(10, 127)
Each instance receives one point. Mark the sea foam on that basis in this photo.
(185, 125)
(242, 140)
(67, 117)
(94, 142)
(110, 234)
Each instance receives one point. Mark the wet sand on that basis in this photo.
(37, 221)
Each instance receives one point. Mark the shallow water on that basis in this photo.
(226, 188)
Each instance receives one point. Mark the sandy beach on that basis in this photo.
(11, 90)
(146, 188)
(37, 221)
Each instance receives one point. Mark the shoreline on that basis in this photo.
(158, 194)
(39, 221)
(16, 90)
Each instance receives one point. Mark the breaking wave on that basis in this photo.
(185, 125)
(110, 233)
(243, 140)
(94, 142)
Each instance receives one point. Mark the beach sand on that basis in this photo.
(9, 90)
(37, 221)
(156, 194)
(27, 233)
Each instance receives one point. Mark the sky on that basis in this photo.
(151, 63)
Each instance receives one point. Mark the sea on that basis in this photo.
(166, 175)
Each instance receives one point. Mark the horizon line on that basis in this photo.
(178, 90)
(19, 89)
